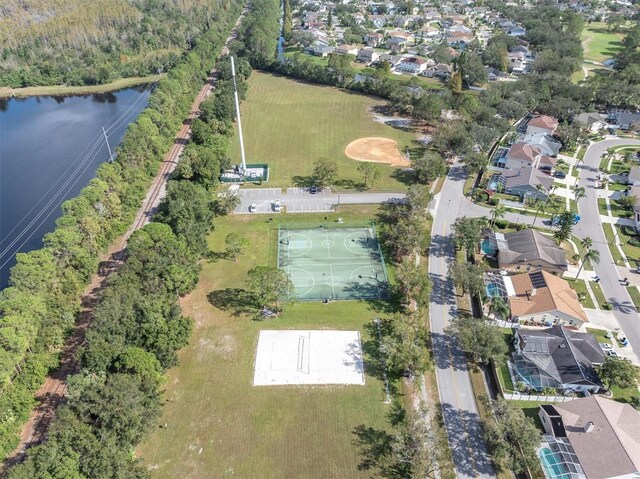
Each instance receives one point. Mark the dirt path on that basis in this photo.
(52, 392)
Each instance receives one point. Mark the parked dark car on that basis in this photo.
(559, 174)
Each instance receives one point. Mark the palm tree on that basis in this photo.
(591, 255)
(497, 213)
(587, 243)
(499, 307)
(578, 193)
(542, 207)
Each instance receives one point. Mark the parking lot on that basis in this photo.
(302, 200)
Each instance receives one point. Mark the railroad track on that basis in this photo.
(52, 392)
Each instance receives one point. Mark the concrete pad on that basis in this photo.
(289, 357)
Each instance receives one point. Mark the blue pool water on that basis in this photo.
(492, 290)
(486, 248)
(493, 185)
(551, 464)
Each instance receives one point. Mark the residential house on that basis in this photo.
(431, 14)
(374, 39)
(593, 438)
(593, 122)
(393, 60)
(428, 31)
(398, 40)
(557, 357)
(526, 183)
(378, 21)
(634, 176)
(367, 55)
(635, 191)
(359, 18)
(401, 21)
(493, 74)
(622, 119)
(319, 49)
(526, 250)
(346, 50)
(520, 155)
(542, 124)
(544, 142)
(458, 40)
(541, 298)
(440, 71)
(412, 65)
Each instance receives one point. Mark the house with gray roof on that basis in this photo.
(524, 183)
(592, 438)
(528, 250)
(544, 142)
(559, 358)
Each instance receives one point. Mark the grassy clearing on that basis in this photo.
(601, 335)
(579, 286)
(291, 124)
(598, 43)
(78, 90)
(218, 424)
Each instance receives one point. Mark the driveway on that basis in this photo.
(301, 200)
(591, 225)
(462, 423)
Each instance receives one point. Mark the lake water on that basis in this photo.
(50, 148)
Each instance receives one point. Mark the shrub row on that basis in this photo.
(38, 309)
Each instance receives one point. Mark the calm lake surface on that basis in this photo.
(50, 148)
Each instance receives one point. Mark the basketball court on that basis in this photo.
(291, 357)
(333, 263)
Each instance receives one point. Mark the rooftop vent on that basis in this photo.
(588, 427)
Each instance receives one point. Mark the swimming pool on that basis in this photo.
(486, 247)
(552, 465)
(493, 290)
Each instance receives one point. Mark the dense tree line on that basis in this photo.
(38, 309)
(48, 42)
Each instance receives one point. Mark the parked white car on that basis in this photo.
(606, 347)
(253, 208)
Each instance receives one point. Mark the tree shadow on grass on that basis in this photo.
(215, 256)
(303, 181)
(236, 301)
(374, 445)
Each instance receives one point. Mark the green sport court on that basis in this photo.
(333, 263)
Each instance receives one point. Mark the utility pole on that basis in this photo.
(106, 140)
(243, 167)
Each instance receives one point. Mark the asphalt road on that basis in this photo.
(590, 225)
(459, 410)
(301, 200)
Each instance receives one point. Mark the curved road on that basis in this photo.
(590, 225)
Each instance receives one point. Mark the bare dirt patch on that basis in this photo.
(377, 150)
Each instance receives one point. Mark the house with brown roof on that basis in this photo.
(542, 124)
(346, 50)
(558, 358)
(412, 65)
(521, 155)
(540, 298)
(592, 437)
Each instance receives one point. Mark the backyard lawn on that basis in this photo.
(290, 124)
(598, 43)
(217, 423)
(580, 288)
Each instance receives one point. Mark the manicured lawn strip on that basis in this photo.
(617, 187)
(608, 233)
(290, 124)
(531, 409)
(580, 288)
(632, 252)
(599, 44)
(597, 291)
(635, 295)
(602, 206)
(600, 335)
(247, 431)
(616, 210)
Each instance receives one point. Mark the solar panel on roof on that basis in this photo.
(537, 280)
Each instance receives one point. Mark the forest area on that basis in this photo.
(91, 42)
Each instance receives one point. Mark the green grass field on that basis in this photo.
(598, 43)
(291, 124)
(218, 424)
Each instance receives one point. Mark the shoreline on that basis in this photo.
(55, 90)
